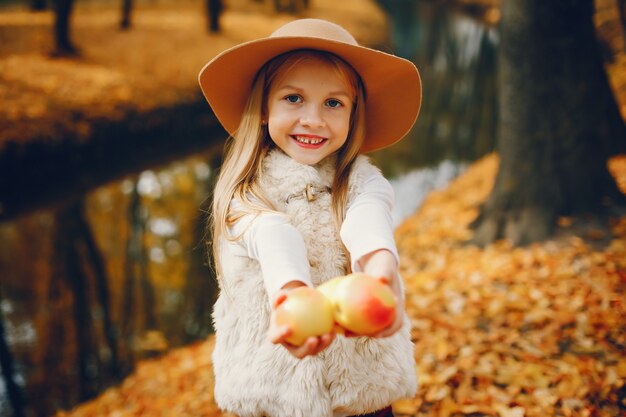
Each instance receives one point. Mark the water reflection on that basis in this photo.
(70, 341)
(413, 187)
(456, 57)
(89, 288)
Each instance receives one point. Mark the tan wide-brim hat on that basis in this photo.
(392, 84)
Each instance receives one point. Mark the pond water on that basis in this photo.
(89, 288)
(455, 55)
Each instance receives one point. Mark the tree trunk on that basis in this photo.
(621, 6)
(133, 255)
(59, 358)
(94, 259)
(558, 122)
(62, 14)
(148, 295)
(38, 5)
(405, 33)
(201, 288)
(77, 278)
(139, 297)
(14, 391)
(214, 10)
(127, 8)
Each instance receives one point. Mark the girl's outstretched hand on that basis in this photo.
(312, 346)
(279, 334)
(383, 265)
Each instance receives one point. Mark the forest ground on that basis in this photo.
(499, 331)
(153, 65)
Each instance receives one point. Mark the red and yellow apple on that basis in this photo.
(361, 304)
(306, 312)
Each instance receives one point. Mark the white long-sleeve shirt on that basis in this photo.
(279, 248)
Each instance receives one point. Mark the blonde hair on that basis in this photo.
(246, 150)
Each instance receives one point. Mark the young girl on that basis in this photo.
(296, 204)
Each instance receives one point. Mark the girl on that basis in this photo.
(296, 204)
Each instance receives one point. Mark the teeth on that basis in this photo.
(308, 141)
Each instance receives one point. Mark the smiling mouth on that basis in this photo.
(308, 140)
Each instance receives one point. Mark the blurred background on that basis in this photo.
(108, 153)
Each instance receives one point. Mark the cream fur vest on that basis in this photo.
(254, 377)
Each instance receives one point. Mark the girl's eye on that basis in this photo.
(292, 98)
(334, 103)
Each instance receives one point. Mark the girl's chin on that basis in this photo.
(306, 160)
(306, 157)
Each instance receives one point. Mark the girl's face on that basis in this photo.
(309, 108)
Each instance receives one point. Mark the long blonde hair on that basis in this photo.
(245, 151)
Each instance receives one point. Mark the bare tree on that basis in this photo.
(214, 10)
(127, 9)
(62, 15)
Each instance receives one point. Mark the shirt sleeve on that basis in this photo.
(368, 225)
(277, 245)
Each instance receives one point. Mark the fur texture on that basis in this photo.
(254, 377)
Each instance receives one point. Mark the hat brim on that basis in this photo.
(392, 84)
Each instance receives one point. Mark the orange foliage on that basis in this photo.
(503, 331)
(179, 384)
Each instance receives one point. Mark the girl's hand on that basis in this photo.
(278, 334)
(382, 264)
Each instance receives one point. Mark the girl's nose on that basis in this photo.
(311, 117)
